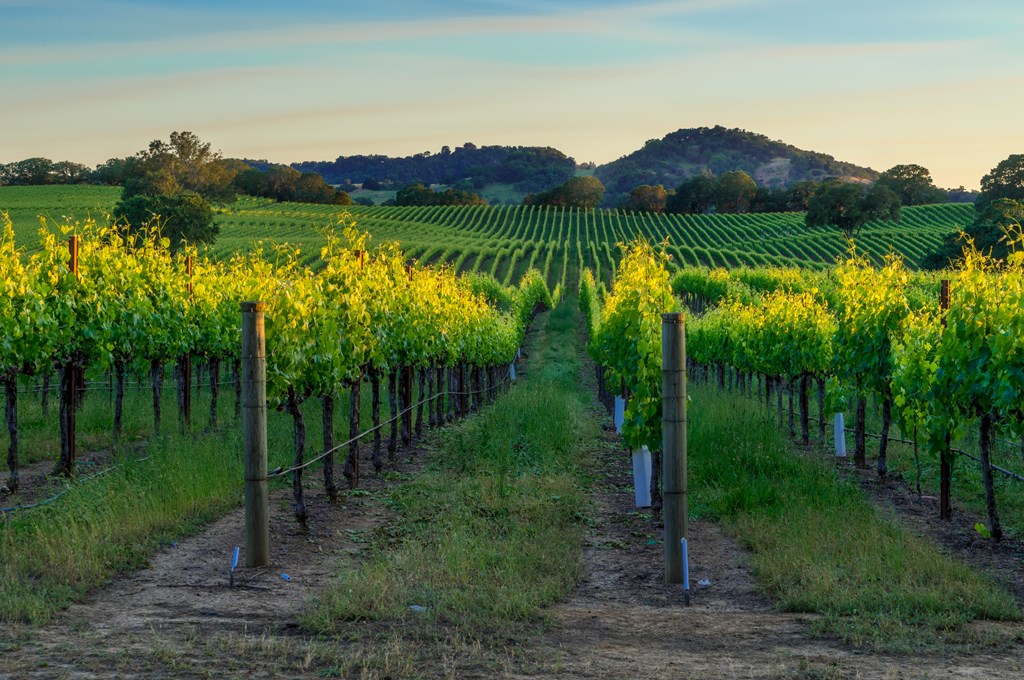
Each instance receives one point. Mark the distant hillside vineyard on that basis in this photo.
(505, 241)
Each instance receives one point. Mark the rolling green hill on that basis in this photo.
(685, 153)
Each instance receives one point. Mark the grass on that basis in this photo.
(967, 488)
(820, 546)
(53, 555)
(491, 532)
(968, 491)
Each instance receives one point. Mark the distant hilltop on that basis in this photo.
(667, 161)
(692, 151)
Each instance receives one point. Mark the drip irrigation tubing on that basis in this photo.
(5, 512)
(282, 472)
(135, 385)
(1009, 473)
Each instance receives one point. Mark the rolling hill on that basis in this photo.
(688, 152)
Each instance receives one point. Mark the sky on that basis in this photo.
(872, 82)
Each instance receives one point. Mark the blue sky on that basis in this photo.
(873, 82)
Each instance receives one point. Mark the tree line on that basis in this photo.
(466, 168)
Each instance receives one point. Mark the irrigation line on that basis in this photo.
(910, 442)
(102, 384)
(5, 512)
(294, 468)
(1009, 443)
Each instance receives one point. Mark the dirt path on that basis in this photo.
(623, 621)
(180, 618)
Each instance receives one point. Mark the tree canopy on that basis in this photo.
(171, 185)
(43, 171)
(578, 192)
(1006, 180)
(183, 218)
(694, 196)
(734, 191)
(685, 153)
(284, 183)
(913, 184)
(851, 205)
(646, 198)
(528, 168)
(417, 194)
(186, 164)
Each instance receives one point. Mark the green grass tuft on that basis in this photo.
(53, 555)
(820, 546)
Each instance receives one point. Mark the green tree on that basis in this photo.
(647, 198)
(913, 184)
(734, 192)
(459, 197)
(252, 182)
(1006, 180)
(31, 171)
(578, 192)
(185, 164)
(798, 195)
(183, 218)
(851, 205)
(694, 196)
(112, 173)
(281, 181)
(311, 188)
(769, 200)
(414, 194)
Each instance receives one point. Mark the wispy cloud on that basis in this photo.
(609, 21)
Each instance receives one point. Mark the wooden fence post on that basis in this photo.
(187, 359)
(70, 381)
(254, 435)
(673, 426)
(945, 462)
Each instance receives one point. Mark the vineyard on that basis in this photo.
(941, 357)
(105, 309)
(383, 326)
(506, 241)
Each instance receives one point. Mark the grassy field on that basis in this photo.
(507, 240)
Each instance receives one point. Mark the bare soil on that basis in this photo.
(624, 621)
